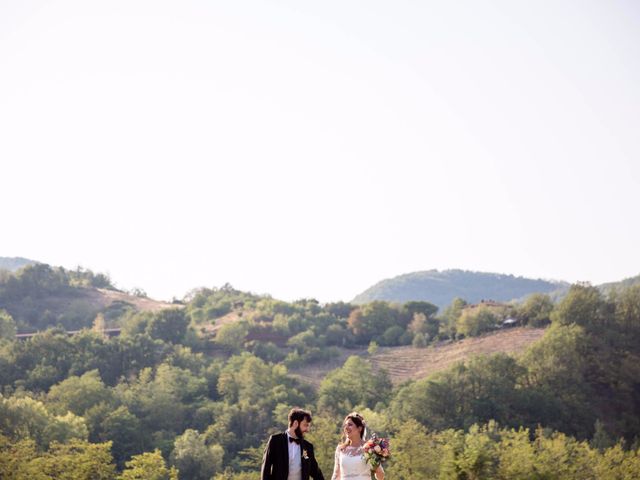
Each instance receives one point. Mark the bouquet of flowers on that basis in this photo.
(376, 451)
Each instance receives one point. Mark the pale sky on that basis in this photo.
(311, 149)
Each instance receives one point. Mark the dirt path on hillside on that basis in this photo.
(142, 304)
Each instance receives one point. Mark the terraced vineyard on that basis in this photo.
(408, 363)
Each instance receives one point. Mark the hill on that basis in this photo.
(14, 264)
(408, 363)
(77, 308)
(441, 287)
(39, 296)
(607, 288)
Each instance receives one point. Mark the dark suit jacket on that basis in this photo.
(275, 462)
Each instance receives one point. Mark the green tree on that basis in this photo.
(536, 310)
(392, 336)
(426, 308)
(44, 359)
(163, 399)
(355, 384)
(169, 325)
(419, 341)
(338, 335)
(584, 306)
(302, 341)
(485, 388)
(371, 320)
(325, 435)
(194, 458)
(618, 463)
(478, 458)
(78, 394)
(76, 460)
(232, 335)
(429, 327)
(557, 366)
(516, 455)
(148, 466)
(627, 316)
(475, 321)
(26, 418)
(16, 457)
(450, 316)
(123, 429)
(7, 326)
(339, 309)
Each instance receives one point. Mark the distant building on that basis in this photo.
(509, 322)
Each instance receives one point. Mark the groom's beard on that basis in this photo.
(299, 433)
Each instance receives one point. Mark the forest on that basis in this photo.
(194, 391)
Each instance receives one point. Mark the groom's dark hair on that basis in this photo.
(299, 414)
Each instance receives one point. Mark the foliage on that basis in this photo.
(353, 385)
(475, 321)
(39, 296)
(7, 325)
(483, 389)
(536, 310)
(415, 452)
(194, 459)
(148, 466)
(428, 327)
(372, 320)
(450, 316)
(427, 309)
(160, 397)
(124, 430)
(419, 341)
(25, 418)
(78, 394)
(490, 452)
(232, 335)
(76, 460)
(583, 305)
(51, 356)
(325, 435)
(158, 391)
(168, 325)
(207, 304)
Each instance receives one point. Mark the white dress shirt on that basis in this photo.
(295, 460)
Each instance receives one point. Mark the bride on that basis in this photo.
(349, 459)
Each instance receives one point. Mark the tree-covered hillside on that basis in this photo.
(193, 392)
(441, 287)
(608, 288)
(38, 296)
(13, 264)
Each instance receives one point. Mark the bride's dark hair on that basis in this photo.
(358, 421)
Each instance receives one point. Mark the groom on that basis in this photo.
(288, 456)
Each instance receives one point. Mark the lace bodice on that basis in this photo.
(350, 465)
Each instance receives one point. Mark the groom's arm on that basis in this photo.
(267, 461)
(314, 469)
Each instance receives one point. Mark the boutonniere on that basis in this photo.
(305, 455)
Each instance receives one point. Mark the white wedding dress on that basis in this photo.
(350, 464)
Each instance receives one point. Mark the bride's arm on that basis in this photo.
(379, 473)
(336, 465)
